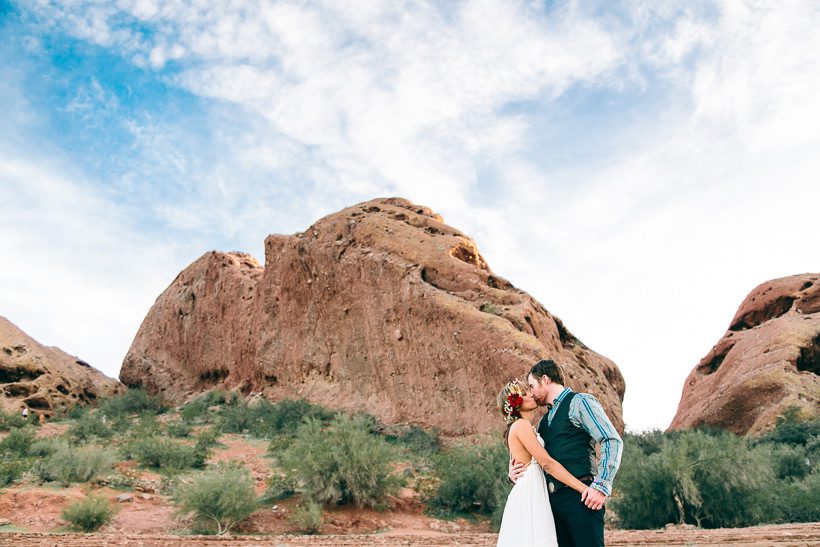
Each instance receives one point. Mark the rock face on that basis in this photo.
(380, 308)
(45, 379)
(768, 361)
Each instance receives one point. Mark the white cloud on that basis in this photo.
(75, 274)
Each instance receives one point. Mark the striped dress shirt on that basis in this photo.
(587, 413)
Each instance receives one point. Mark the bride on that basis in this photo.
(527, 519)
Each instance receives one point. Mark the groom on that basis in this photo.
(575, 423)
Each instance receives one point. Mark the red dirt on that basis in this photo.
(792, 535)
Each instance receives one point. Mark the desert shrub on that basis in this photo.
(178, 430)
(307, 518)
(133, 401)
(76, 412)
(167, 454)
(11, 420)
(42, 448)
(220, 497)
(18, 442)
(199, 407)
(342, 463)
(414, 438)
(266, 420)
(791, 461)
(147, 425)
(89, 514)
(90, 425)
(488, 307)
(11, 470)
(280, 487)
(792, 429)
(473, 479)
(707, 479)
(68, 464)
(800, 501)
(647, 443)
(207, 438)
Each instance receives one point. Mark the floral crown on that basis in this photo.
(513, 398)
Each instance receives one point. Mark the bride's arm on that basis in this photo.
(526, 435)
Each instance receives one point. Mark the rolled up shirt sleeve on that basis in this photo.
(587, 413)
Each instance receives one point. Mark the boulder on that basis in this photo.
(767, 362)
(381, 308)
(45, 379)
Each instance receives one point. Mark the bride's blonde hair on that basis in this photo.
(509, 401)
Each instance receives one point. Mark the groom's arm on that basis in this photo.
(587, 413)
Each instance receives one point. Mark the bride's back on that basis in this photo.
(518, 452)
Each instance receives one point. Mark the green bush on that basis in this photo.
(18, 442)
(473, 479)
(280, 487)
(791, 461)
(414, 438)
(207, 438)
(89, 514)
(133, 401)
(12, 470)
(91, 425)
(196, 409)
(220, 497)
(178, 430)
(307, 518)
(342, 463)
(800, 501)
(792, 429)
(11, 420)
(266, 420)
(68, 464)
(711, 480)
(168, 455)
(42, 448)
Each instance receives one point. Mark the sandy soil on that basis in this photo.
(803, 535)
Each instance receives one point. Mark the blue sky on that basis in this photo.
(637, 168)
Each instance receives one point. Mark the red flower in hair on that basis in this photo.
(515, 400)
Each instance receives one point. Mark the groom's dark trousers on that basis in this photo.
(575, 524)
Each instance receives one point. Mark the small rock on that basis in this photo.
(145, 496)
(4, 522)
(122, 498)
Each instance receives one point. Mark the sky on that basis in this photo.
(637, 167)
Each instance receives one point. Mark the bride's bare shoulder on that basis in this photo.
(520, 425)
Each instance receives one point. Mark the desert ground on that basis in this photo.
(792, 535)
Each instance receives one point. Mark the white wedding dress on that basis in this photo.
(527, 520)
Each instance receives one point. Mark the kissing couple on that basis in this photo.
(565, 507)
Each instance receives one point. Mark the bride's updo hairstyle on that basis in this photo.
(509, 402)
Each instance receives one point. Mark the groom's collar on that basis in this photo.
(557, 400)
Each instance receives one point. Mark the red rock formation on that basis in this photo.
(380, 308)
(767, 361)
(45, 379)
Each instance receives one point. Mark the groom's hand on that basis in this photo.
(593, 498)
(516, 470)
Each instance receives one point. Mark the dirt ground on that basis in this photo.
(801, 535)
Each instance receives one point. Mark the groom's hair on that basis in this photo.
(548, 368)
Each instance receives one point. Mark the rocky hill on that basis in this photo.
(45, 379)
(381, 308)
(768, 361)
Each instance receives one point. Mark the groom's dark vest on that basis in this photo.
(570, 445)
